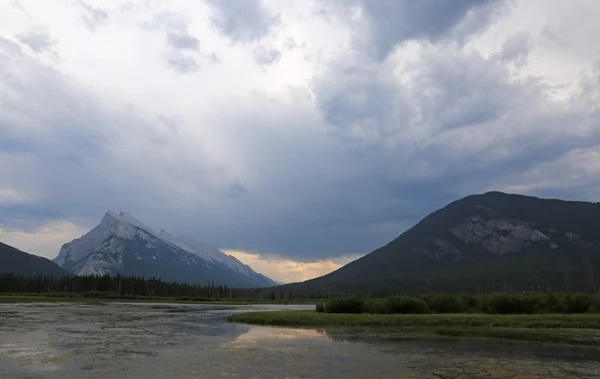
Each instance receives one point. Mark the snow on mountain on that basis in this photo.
(211, 253)
(121, 243)
(120, 225)
(165, 236)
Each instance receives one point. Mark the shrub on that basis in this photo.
(469, 301)
(520, 303)
(377, 306)
(446, 303)
(575, 303)
(496, 303)
(102, 294)
(595, 307)
(206, 299)
(345, 305)
(320, 307)
(406, 304)
(502, 303)
(553, 303)
(62, 294)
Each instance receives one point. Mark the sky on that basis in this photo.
(296, 135)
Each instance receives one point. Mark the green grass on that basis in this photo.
(581, 329)
(546, 336)
(78, 298)
(314, 319)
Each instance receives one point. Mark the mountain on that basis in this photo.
(481, 243)
(15, 261)
(122, 244)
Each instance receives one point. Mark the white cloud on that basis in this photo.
(575, 175)
(37, 39)
(12, 196)
(45, 240)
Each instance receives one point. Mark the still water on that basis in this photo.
(117, 340)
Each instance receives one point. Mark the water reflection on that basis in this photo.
(267, 335)
(195, 341)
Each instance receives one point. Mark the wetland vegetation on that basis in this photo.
(565, 318)
(311, 318)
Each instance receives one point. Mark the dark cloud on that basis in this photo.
(454, 124)
(387, 23)
(374, 146)
(516, 49)
(242, 21)
(266, 55)
(359, 100)
(181, 63)
(182, 41)
(399, 150)
(237, 190)
(37, 39)
(93, 16)
(82, 155)
(444, 89)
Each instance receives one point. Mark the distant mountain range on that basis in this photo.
(122, 244)
(481, 243)
(18, 262)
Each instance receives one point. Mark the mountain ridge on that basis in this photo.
(481, 243)
(15, 261)
(123, 244)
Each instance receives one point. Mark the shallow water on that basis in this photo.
(117, 340)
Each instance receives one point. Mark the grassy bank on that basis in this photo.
(581, 329)
(78, 298)
(494, 303)
(314, 319)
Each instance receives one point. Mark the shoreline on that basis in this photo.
(527, 321)
(582, 329)
(12, 299)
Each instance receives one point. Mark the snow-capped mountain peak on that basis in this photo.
(123, 244)
(125, 219)
(167, 237)
(119, 225)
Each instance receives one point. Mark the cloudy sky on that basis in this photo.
(297, 135)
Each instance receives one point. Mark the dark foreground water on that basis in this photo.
(194, 341)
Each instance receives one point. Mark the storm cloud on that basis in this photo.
(242, 21)
(390, 110)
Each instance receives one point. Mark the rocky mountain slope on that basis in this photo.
(482, 243)
(15, 261)
(122, 244)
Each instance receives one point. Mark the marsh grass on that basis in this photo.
(525, 321)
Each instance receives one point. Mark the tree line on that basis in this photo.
(130, 286)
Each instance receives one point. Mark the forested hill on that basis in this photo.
(482, 243)
(18, 262)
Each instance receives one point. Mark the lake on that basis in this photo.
(142, 340)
